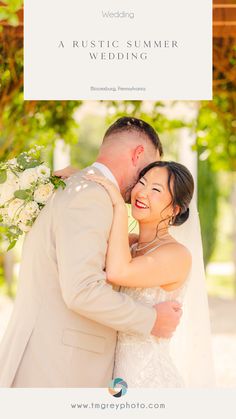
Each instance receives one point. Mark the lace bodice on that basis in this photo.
(146, 362)
(152, 296)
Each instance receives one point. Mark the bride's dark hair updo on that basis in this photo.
(182, 189)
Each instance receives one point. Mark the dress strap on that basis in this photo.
(132, 248)
(156, 247)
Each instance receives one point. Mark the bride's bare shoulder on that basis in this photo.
(177, 252)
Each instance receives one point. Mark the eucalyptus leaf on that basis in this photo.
(3, 176)
(26, 162)
(11, 245)
(58, 182)
(34, 163)
(22, 194)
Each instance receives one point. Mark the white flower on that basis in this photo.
(19, 211)
(12, 162)
(28, 177)
(43, 172)
(14, 208)
(6, 193)
(24, 227)
(8, 188)
(31, 209)
(43, 193)
(12, 178)
(27, 214)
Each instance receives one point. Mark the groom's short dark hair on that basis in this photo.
(130, 124)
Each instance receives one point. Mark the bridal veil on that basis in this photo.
(191, 344)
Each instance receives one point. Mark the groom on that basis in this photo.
(64, 325)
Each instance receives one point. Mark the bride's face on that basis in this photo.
(151, 198)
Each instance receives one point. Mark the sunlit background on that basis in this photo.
(202, 135)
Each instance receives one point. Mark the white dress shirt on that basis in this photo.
(106, 172)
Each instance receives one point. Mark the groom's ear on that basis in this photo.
(136, 154)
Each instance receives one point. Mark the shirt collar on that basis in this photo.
(106, 172)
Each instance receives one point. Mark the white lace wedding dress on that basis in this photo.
(146, 362)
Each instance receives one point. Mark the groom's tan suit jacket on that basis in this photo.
(63, 329)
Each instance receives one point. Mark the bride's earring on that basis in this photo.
(171, 220)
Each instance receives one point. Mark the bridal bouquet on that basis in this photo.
(26, 184)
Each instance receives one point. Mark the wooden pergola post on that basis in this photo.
(224, 18)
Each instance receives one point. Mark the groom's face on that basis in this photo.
(149, 155)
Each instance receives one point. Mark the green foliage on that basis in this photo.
(25, 124)
(57, 182)
(3, 176)
(216, 132)
(216, 146)
(85, 150)
(12, 235)
(208, 194)
(23, 194)
(8, 12)
(224, 247)
(154, 116)
(11, 64)
(24, 162)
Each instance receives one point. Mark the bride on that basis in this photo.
(152, 267)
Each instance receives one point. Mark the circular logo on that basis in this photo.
(117, 387)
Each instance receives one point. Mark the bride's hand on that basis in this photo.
(66, 172)
(113, 191)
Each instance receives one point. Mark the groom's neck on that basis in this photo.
(116, 168)
(111, 166)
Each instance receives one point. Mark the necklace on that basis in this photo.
(147, 245)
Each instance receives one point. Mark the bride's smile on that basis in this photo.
(151, 198)
(140, 205)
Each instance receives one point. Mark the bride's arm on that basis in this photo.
(168, 265)
(66, 172)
